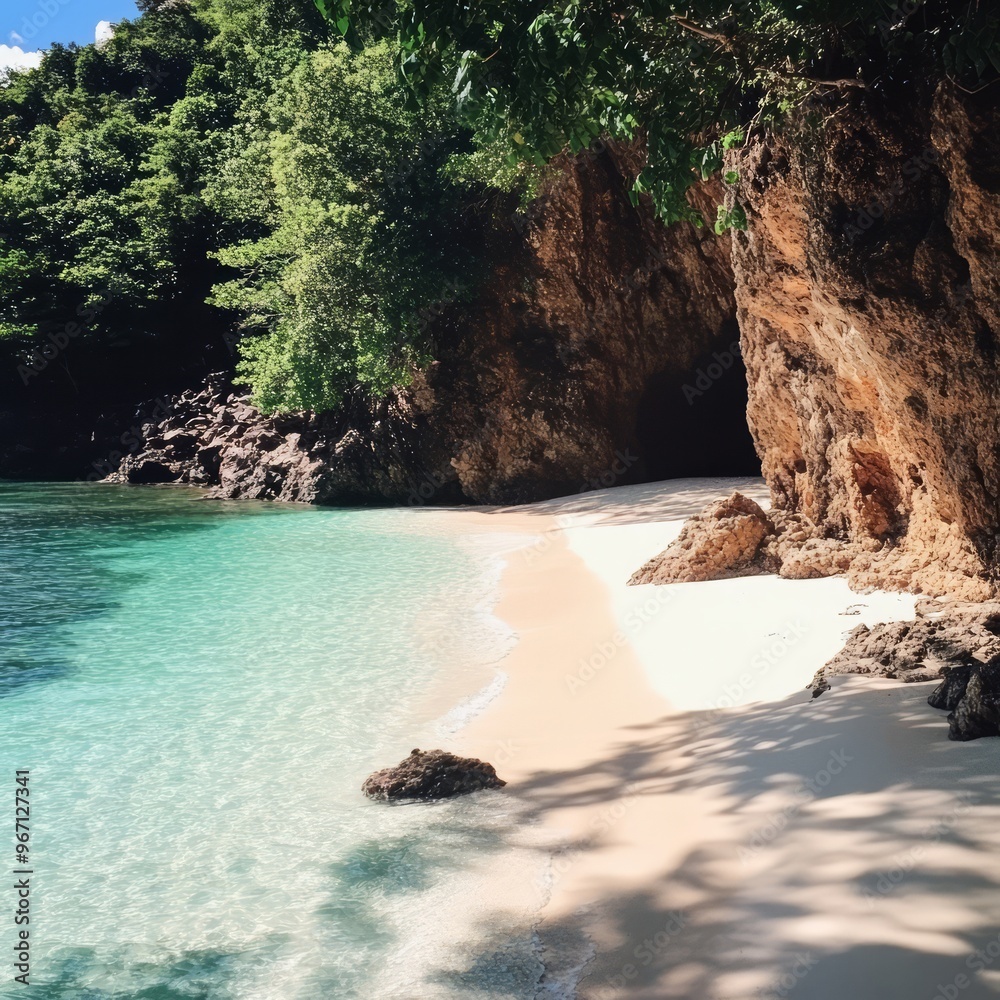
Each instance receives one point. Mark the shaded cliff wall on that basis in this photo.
(602, 349)
(577, 354)
(867, 289)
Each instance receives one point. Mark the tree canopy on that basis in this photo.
(228, 163)
(544, 75)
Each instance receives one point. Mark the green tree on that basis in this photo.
(229, 151)
(363, 236)
(545, 75)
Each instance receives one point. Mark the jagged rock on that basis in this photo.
(977, 712)
(431, 774)
(951, 690)
(942, 637)
(723, 541)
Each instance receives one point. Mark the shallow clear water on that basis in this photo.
(198, 689)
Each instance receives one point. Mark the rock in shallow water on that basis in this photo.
(431, 774)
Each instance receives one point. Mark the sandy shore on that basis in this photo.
(721, 834)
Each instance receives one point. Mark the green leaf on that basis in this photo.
(732, 139)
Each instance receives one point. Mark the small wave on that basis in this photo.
(462, 714)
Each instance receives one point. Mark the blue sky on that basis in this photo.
(36, 24)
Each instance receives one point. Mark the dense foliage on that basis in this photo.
(542, 75)
(228, 151)
(302, 171)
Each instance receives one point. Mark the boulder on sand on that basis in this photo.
(431, 774)
(973, 695)
(945, 640)
(724, 540)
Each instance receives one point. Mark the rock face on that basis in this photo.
(973, 694)
(596, 318)
(431, 774)
(866, 290)
(945, 640)
(867, 286)
(723, 541)
(951, 690)
(214, 437)
(581, 363)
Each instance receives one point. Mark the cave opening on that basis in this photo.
(694, 422)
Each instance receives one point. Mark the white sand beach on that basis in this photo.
(723, 835)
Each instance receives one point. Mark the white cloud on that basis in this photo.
(15, 38)
(14, 57)
(104, 32)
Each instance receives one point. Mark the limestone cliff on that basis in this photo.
(867, 290)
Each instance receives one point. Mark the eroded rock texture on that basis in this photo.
(723, 541)
(595, 318)
(214, 437)
(867, 286)
(431, 774)
(952, 637)
(565, 373)
(974, 697)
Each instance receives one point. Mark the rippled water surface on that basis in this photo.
(198, 689)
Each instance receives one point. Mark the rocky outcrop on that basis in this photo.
(431, 774)
(957, 642)
(215, 437)
(973, 695)
(867, 285)
(735, 537)
(951, 690)
(569, 372)
(954, 637)
(566, 371)
(723, 541)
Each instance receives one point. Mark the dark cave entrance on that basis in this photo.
(694, 423)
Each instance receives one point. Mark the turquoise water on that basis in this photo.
(198, 689)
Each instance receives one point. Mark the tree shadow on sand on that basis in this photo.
(864, 863)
